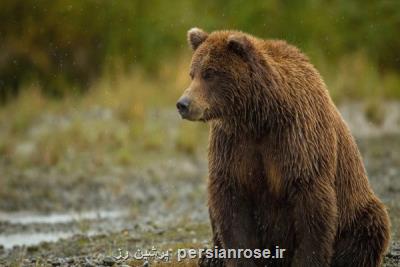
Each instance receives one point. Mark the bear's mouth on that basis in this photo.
(195, 114)
(191, 116)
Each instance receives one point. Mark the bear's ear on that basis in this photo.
(196, 37)
(240, 45)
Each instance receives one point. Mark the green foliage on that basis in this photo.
(66, 44)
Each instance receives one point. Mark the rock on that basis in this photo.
(394, 254)
(69, 260)
(56, 262)
(108, 261)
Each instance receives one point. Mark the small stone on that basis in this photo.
(56, 262)
(394, 254)
(69, 260)
(108, 261)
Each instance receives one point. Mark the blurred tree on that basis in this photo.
(65, 44)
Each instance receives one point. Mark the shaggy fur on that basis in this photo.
(283, 167)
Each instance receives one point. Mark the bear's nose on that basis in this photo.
(183, 105)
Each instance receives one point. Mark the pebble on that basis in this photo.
(69, 260)
(394, 254)
(108, 261)
(56, 262)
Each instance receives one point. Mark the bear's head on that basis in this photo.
(227, 77)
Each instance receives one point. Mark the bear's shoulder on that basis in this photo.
(280, 49)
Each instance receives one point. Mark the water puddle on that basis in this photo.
(53, 218)
(34, 235)
(29, 239)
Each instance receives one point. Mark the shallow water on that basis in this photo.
(28, 236)
(52, 218)
(29, 239)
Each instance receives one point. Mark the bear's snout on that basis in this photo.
(183, 106)
(192, 104)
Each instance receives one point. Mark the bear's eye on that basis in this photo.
(209, 74)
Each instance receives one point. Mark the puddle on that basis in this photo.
(33, 237)
(54, 218)
(29, 239)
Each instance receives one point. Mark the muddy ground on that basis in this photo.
(89, 215)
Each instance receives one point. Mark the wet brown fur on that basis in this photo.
(283, 167)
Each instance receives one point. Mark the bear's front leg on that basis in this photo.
(212, 262)
(234, 222)
(315, 214)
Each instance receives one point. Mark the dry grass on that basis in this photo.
(143, 117)
(355, 77)
(121, 118)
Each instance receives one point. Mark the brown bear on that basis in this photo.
(284, 169)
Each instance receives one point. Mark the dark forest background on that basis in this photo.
(64, 46)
